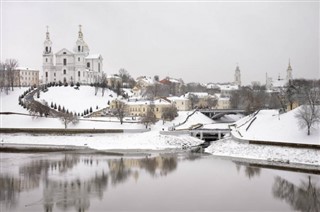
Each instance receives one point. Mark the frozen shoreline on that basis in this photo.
(271, 154)
(143, 143)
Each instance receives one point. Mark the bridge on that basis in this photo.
(218, 113)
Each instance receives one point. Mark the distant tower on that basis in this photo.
(237, 76)
(47, 63)
(289, 72)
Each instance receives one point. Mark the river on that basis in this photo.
(158, 182)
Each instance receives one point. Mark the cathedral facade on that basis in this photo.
(71, 66)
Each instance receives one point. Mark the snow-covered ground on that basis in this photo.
(269, 125)
(149, 140)
(77, 100)
(231, 148)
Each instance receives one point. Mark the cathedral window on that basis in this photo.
(64, 61)
(64, 52)
(78, 73)
(46, 74)
(99, 67)
(64, 71)
(79, 47)
(79, 59)
(47, 49)
(88, 65)
(46, 59)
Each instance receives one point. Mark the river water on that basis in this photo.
(165, 182)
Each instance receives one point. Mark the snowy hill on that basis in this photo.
(77, 100)
(269, 125)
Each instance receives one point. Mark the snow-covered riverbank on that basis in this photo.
(147, 141)
(230, 148)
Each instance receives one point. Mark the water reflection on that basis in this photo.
(249, 171)
(65, 192)
(305, 197)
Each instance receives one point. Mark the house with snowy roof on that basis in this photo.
(71, 66)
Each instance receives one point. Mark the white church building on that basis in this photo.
(71, 66)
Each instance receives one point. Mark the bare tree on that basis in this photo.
(194, 99)
(67, 118)
(156, 90)
(103, 83)
(36, 108)
(149, 117)
(211, 102)
(169, 113)
(11, 65)
(3, 77)
(119, 110)
(308, 116)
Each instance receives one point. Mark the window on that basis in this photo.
(46, 60)
(46, 74)
(78, 59)
(64, 61)
(78, 73)
(98, 67)
(79, 48)
(64, 80)
(64, 52)
(88, 65)
(64, 71)
(54, 74)
(47, 49)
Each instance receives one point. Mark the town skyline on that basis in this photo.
(181, 40)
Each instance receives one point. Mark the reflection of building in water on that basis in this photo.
(70, 194)
(160, 165)
(30, 176)
(76, 193)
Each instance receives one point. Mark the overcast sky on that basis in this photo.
(195, 41)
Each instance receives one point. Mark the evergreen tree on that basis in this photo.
(59, 108)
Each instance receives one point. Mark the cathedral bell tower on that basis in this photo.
(237, 76)
(47, 58)
(289, 72)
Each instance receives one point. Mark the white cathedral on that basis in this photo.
(67, 66)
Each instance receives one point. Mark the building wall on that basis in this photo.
(25, 77)
(137, 109)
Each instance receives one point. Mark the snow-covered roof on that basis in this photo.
(148, 102)
(113, 77)
(174, 98)
(228, 87)
(279, 83)
(198, 94)
(93, 56)
(25, 69)
(146, 80)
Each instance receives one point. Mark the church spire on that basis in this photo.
(237, 76)
(80, 33)
(81, 46)
(47, 33)
(289, 72)
(47, 43)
